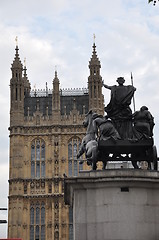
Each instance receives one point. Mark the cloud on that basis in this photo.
(61, 33)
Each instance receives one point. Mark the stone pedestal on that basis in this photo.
(114, 204)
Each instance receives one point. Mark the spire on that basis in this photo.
(27, 86)
(94, 59)
(56, 80)
(17, 86)
(16, 62)
(95, 83)
(56, 98)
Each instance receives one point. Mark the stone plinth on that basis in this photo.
(114, 204)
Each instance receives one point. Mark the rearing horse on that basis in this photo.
(89, 144)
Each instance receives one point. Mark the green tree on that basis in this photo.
(154, 1)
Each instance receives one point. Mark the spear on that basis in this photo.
(133, 95)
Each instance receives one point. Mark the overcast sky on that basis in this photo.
(60, 33)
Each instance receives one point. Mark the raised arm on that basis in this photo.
(106, 86)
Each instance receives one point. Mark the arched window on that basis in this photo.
(42, 232)
(73, 166)
(70, 223)
(43, 214)
(37, 221)
(31, 215)
(31, 232)
(37, 233)
(37, 214)
(38, 158)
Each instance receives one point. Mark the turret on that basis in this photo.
(56, 98)
(96, 100)
(17, 91)
(27, 86)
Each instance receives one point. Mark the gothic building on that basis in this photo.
(45, 133)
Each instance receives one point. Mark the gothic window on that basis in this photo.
(75, 149)
(38, 169)
(43, 214)
(37, 221)
(37, 233)
(32, 169)
(43, 151)
(70, 223)
(31, 215)
(42, 232)
(38, 158)
(37, 214)
(73, 166)
(31, 232)
(70, 167)
(38, 150)
(43, 169)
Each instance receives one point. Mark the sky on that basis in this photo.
(60, 33)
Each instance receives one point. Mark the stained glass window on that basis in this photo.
(70, 223)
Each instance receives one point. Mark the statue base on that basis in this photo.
(118, 204)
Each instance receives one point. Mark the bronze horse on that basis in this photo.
(89, 144)
(96, 125)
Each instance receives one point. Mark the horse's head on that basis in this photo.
(87, 119)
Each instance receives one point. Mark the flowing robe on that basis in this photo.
(118, 109)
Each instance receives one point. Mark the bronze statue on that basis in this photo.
(143, 123)
(120, 135)
(98, 128)
(105, 129)
(118, 109)
(89, 144)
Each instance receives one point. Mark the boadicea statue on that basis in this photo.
(120, 135)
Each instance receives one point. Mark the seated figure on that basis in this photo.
(143, 123)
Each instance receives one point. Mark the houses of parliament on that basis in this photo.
(46, 130)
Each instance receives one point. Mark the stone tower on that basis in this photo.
(46, 131)
(96, 98)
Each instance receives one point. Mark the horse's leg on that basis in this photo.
(94, 158)
(81, 151)
(103, 157)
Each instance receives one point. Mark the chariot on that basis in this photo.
(129, 150)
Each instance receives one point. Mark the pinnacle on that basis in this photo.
(16, 62)
(94, 59)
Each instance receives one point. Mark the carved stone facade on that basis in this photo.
(45, 133)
